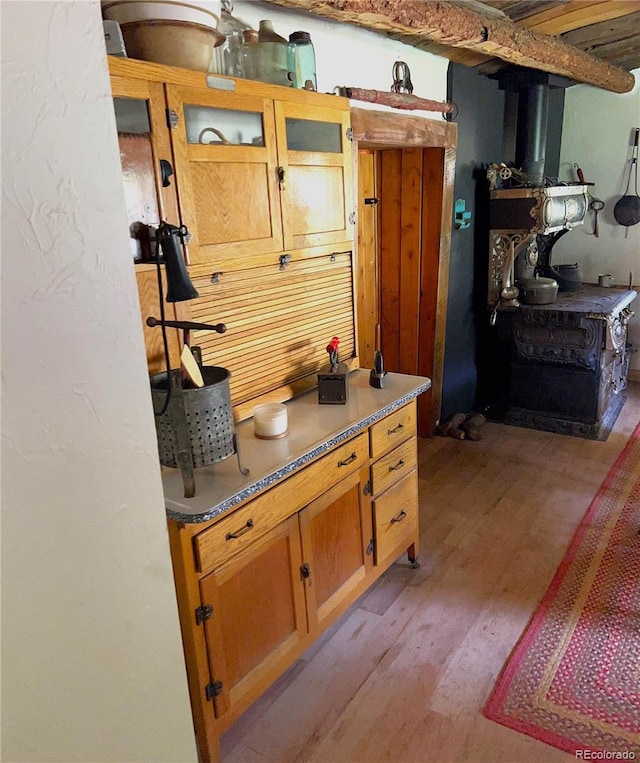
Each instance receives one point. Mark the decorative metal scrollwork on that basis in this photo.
(503, 246)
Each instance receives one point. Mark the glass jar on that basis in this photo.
(301, 61)
(227, 57)
(251, 54)
(274, 55)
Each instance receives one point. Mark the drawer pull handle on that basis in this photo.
(399, 428)
(241, 531)
(402, 515)
(349, 460)
(399, 465)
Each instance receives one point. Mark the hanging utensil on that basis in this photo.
(627, 209)
(597, 205)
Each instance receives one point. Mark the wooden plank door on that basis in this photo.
(410, 219)
(315, 160)
(226, 167)
(400, 239)
(367, 261)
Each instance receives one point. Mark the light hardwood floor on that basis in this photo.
(405, 672)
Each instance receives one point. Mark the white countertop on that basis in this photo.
(313, 429)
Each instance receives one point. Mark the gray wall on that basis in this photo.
(486, 133)
(480, 142)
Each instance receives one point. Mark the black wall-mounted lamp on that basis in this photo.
(179, 286)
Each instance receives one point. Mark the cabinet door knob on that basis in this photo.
(349, 460)
(305, 572)
(399, 465)
(399, 428)
(281, 176)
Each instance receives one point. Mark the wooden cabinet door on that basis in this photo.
(225, 153)
(258, 615)
(315, 159)
(335, 531)
(145, 146)
(143, 138)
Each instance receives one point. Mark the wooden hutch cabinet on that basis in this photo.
(253, 172)
(252, 163)
(259, 583)
(261, 177)
(248, 168)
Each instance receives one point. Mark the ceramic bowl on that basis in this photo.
(128, 11)
(173, 43)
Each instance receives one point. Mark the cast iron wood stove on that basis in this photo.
(564, 365)
(560, 366)
(569, 361)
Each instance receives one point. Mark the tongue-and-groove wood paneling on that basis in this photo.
(279, 322)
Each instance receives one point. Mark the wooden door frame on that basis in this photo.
(384, 130)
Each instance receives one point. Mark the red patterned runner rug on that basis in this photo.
(573, 679)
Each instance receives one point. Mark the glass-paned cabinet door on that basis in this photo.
(224, 127)
(150, 196)
(145, 156)
(315, 156)
(226, 166)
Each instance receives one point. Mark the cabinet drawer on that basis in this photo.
(220, 542)
(393, 430)
(393, 466)
(395, 516)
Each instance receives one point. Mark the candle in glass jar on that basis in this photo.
(270, 421)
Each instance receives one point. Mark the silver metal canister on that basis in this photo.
(197, 428)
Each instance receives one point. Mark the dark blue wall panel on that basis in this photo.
(480, 142)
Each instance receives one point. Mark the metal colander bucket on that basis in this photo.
(207, 413)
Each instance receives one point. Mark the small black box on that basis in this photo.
(333, 388)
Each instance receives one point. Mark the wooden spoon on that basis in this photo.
(190, 367)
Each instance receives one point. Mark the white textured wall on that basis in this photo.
(596, 134)
(92, 665)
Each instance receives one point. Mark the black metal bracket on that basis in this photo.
(213, 689)
(203, 613)
(285, 259)
(166, 171)
(173, 120)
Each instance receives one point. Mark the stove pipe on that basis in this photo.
(531, 131)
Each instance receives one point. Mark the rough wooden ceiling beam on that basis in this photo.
(456, 26)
